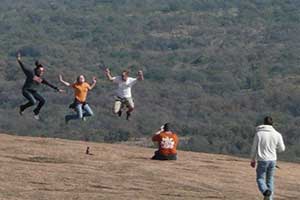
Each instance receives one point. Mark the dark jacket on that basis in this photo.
(31, 84)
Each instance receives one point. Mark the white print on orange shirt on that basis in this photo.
(167, 143)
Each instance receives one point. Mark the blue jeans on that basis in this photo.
(265, 176)
(32, 96)
(82, 111)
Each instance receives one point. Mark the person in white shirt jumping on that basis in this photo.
(265, 144)
(123, 96)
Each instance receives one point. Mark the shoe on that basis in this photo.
(66, 120)
(120, 113)
(128, 115)
(37, 117)
(84, 119)
(21, 111)
(267, 194)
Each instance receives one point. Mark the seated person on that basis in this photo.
(167, 141)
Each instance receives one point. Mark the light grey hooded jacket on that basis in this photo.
(266, 143)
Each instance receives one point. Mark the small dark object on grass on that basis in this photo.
(88, 151)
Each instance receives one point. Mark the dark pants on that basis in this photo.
(33, 96)
(158, 156)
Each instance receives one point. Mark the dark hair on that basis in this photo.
(38, 64)
(167, 127)
(78, 78)
(268, 120)
(126, 72)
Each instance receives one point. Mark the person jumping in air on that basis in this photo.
(167, 143)
(80, 105)
(33, 81)
(123, 97)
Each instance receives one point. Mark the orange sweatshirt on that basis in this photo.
(167, 141)
(81, 91)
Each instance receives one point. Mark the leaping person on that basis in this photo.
(33, 81)
(123, 97)
(80, 105)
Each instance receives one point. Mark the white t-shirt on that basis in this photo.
(124, 87)
(265, 144)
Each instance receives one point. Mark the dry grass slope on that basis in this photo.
(44, 169)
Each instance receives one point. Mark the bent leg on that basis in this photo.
(78, 114)
(31, 100)
(158, 156)
(88, 111)
(117, 106)
(41, 103)
(130, 104)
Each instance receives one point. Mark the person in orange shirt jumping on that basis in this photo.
(80, 105)
(167, 141)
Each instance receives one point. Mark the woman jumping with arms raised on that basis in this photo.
(80, 105)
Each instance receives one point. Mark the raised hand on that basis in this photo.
(94, 79)
(19, 56)
(107, 71)
(140, 75)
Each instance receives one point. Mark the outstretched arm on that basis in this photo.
(26, 71)
(52, 86)
(94, 82)
(108, 74)
(63, 81)
(140, 76)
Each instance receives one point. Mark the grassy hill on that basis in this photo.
(43, 168)
(213, 68)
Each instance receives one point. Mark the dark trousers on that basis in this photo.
(33, 97)
(158, 156)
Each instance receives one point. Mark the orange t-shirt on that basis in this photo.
(168, 142)
(81, 91)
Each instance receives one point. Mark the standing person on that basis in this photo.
(265, 144)
(33, 81)
(80, 105)
(167, 142)
(123, 97)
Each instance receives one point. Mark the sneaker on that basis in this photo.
(84, 119)
(37, 117)
(120, 113)
(267, 195)
(21, 111)
(128, 115)
(66, 120)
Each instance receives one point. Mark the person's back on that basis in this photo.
(269, 141)
(167, 141)
(266, 143)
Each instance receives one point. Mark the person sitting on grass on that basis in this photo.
(167, 144)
